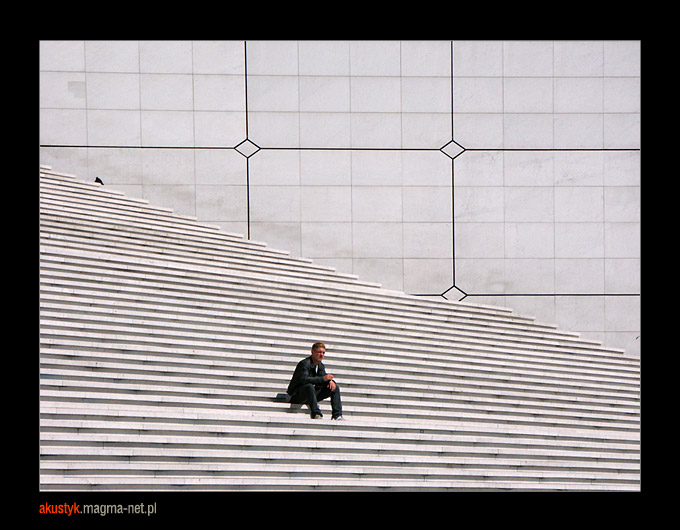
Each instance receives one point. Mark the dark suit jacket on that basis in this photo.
(304, 373)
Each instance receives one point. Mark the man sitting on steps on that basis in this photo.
(310, 384)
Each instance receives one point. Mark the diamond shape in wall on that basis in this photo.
(454, 293)
(452, 149)
(247, 148)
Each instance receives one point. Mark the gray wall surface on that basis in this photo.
(497, 172)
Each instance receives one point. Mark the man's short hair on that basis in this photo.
(318, 345)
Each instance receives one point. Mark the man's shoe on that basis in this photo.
(317, 416)
(339, 418)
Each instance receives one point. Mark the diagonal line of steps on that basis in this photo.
(242, 447)
(214, 343)
(179, 283)
(164, 340)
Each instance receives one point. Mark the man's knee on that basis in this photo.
(327, 392)
(309, 392)
(303, 393)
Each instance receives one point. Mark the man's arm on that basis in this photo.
(326, 377)
(304, 374)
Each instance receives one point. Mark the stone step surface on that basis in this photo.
(164, 342)
(160, 282)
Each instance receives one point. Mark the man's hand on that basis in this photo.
(329, 378)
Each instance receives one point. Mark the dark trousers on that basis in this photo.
(310, 396)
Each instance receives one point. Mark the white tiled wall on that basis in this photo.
(535, 206)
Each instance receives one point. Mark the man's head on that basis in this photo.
(318, 352)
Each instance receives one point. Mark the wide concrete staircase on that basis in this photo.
(164, 341)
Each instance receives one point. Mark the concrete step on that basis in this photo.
(99, 443)
(228, 336)
(281, 346)
(163, 342)
(236, 370)
(137, 218)
(123, 482)
(144, 305)
(382, 291)
(385, 374)
(441, 345)
(364, 427)
(112, 236)
(56, 271)
(109, 337)
(70, 190)
(354, 400)
(236, 261)
(177, 280)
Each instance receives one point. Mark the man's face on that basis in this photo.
(317, 355)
